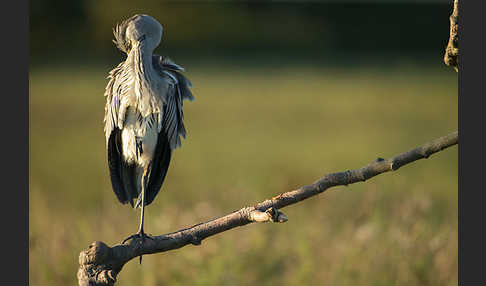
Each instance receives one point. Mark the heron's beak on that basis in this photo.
(138, 43)
(141, 39)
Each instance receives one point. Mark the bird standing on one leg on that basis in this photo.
(143, 114)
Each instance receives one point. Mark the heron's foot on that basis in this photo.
(139, 235)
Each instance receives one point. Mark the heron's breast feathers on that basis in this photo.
(155, 98)
(139, 138)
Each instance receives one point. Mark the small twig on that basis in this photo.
(100, 264)
(451, 56)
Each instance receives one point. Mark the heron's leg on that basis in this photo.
(145, 177)
(140, 229)
(146, 174)
(141, 234)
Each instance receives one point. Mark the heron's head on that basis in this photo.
(138, 31)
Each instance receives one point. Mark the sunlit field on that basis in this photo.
(252, 134)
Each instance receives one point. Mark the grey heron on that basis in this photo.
(143, 114)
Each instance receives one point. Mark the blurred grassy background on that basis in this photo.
(273, 116)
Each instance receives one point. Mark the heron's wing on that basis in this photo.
(112, 101)
(118, 98)
(173, 114)
(162, 64)
(172, 124)
(121, 173)
(160, 165)
(168, 139)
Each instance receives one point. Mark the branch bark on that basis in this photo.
(100, 264)
(451, 56)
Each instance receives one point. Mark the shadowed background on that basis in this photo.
(285, 93)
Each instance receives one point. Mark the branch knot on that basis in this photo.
(271, 214)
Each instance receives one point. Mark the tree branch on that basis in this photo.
(451, 56)
(100, 264)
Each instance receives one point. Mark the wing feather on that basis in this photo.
(172, 123)
(173, 118)
(160, 165)
(122, 174)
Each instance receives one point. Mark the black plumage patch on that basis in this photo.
(122, 173)
(138, 143)
(160, 165)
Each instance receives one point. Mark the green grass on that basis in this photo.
(253, 134)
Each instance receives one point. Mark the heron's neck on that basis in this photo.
(142, 64)
(142, 58)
